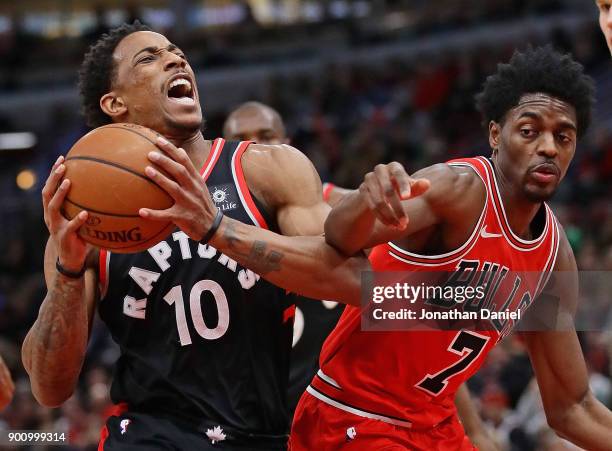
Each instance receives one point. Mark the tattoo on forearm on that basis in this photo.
(262, 263)
(61, 327)
(257, 259)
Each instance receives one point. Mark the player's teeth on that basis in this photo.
(180, 81)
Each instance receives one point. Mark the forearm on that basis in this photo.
(587, 424)
(350, 224)
(306, 265)
(54, 349)
(467, 411)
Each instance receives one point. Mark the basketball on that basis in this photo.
(106, 168)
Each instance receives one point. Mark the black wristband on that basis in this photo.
(213, 228)
(71, 274)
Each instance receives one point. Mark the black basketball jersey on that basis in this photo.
(202, 338)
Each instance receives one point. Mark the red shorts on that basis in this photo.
(317, 425)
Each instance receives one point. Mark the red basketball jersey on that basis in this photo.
(410, 378)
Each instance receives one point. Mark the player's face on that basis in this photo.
(605, 20)
(536, 144)
(260, 126)
(157, 85)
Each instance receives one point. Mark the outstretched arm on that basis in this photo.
(391, 204)
(54, 348)
(571, 409)
(299, 260)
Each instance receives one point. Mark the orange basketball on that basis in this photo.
(106, 171)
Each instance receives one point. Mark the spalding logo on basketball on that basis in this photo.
(106, 171)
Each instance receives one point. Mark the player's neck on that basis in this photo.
(520, 211)
(196, 146)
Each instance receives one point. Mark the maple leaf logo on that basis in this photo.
(215, 434)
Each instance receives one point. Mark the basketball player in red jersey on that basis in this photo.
(204, 339)
(257, 122)
(392, 390)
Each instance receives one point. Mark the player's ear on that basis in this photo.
(494, 135)
(113, 105)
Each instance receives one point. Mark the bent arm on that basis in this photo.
(377, 212)
(305, 265)
(54, 348)
(299, 260)
(285, 181)
(571, 409)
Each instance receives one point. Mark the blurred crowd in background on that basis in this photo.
(359, 101)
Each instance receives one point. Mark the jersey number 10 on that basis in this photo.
(175, 296)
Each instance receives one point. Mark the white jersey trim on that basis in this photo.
(556, 238)
(104, 285)
(501, 216)
(217, 146)
(338, 405)
(236, 182)
(328, 379)
(461, 250)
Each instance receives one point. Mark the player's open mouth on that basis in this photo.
(180, 90)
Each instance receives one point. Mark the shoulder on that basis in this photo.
(452, 187)
(280, 172)
(566, 261)
(278, 155)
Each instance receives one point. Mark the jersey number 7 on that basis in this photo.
(467, 344)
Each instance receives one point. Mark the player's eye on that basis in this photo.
(527, 133)
(146, 59)
(564, 138)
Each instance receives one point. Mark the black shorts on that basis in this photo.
(136, 431)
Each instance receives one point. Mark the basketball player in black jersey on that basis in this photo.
(204, 334)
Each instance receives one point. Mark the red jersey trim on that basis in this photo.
(439, 259)
(355, 411)
(289, 313)
(213, 157)
(103, 437)
(118, 409)
(103, 264)
(498, 206)
(327, 190)
(243, 189)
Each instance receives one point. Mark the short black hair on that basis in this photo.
(97, 72)
(536, 70)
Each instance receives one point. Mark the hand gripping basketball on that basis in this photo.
(193, 210)
(71, 249)
(386, 187)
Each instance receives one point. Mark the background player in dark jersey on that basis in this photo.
(535, 107)
(213, 369)
(254, 121)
